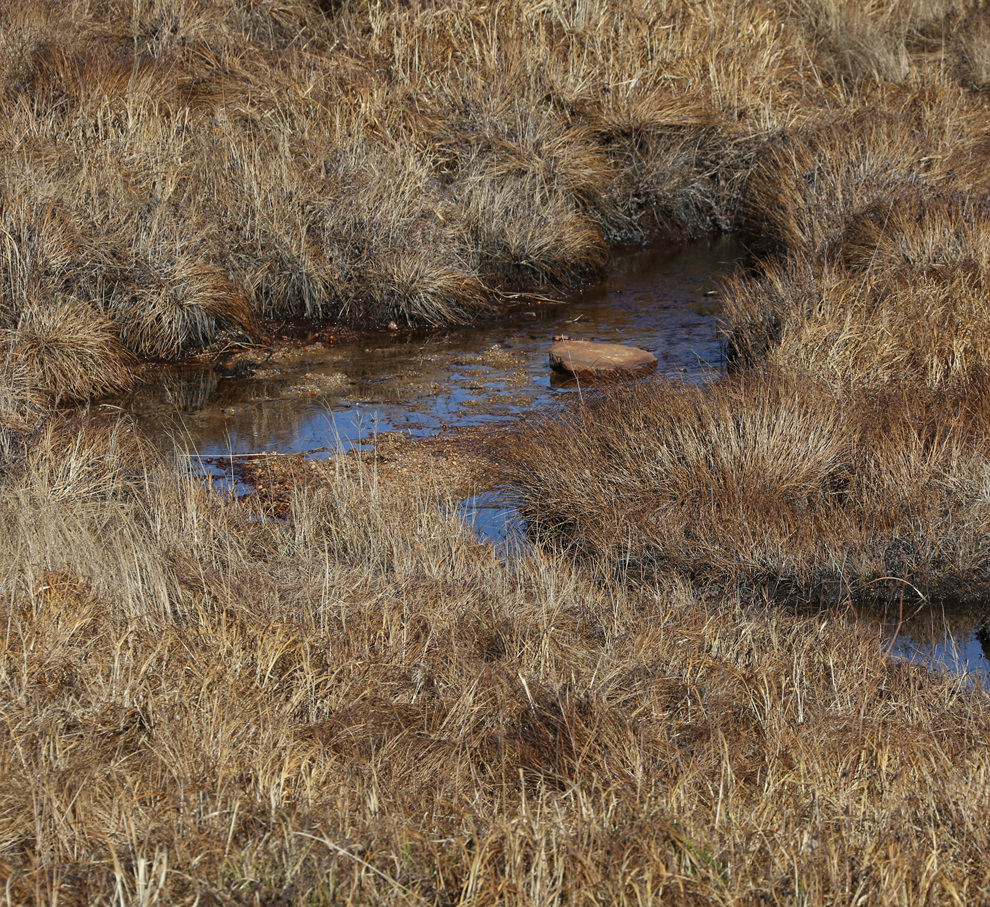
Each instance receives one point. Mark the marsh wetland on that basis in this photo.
(321, 400)
(347, 232)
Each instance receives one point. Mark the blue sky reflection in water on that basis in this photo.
(316, 400)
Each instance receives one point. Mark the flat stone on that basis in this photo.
(584, 359)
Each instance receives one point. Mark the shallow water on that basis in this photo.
(937, 635)
(320, 400)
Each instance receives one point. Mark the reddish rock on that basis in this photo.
(583, 359)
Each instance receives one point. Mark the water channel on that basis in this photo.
(323, 399)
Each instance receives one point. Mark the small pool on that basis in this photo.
(319, 400)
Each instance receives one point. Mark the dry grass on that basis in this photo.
(847, 459)
(198, 707)
(768, 484)
(806, 184)
(69, 351)
(876, 281)
(869, 226)
(969, 41)
(361, 703)
(191, 169)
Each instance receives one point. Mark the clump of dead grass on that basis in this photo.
(768, 481)
(898, 296)
(972, 42)
(858, 41)
(805, 185)
(67, 351)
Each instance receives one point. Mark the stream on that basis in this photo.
(319, 400)
(323, 399)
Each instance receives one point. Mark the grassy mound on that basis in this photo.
(768, 483)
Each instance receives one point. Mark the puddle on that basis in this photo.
(940, 637)
(494, 522)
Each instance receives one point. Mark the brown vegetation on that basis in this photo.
(850, 446)
(876, 265)
(187, 170)
(199, 707)
(358, 702)
(770, 484)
